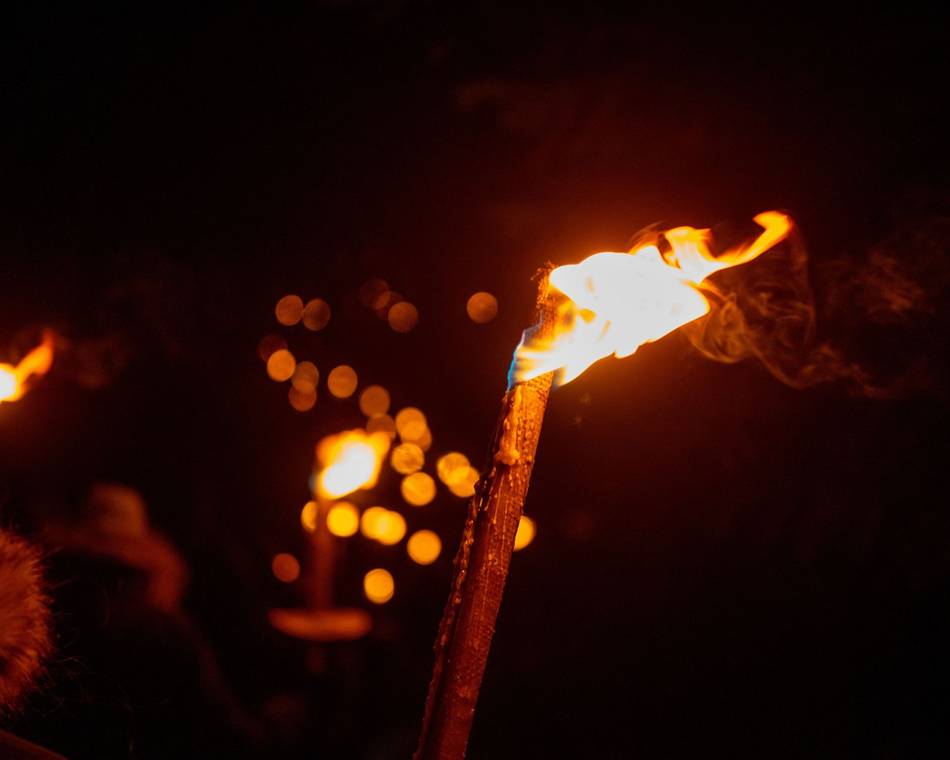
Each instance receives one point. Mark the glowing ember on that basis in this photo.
(616, 302)
(13, 380)
(350, 461)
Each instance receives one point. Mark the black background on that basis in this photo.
(723, 564)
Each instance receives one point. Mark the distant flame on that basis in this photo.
(349, 461)
(13, 380)
(616, 302)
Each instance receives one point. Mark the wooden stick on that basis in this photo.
(481, 565)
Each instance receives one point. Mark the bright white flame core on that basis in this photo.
(616, 302)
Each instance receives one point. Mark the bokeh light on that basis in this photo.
(343, 519)
(403, 316)
(305, 377)
(8, 382)
(381, 423)
(464, 486)
(268, 344)
(378, 585)
(302, 400)
(407, 458)
(281, 365)
(424, 547)
(390, 528)
(371, 290)
(371, 521)
(482, 307)
(411, 424)
(285, 567)
(289, 310)
(308, 516)
(418, 489)
(452, 467)
(316, 314)
(374, 400)
(342, 381)
(525, 532)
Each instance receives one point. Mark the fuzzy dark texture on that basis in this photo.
(25, 639)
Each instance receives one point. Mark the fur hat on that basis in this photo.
(25, 639)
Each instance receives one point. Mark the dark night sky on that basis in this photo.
(722, 562)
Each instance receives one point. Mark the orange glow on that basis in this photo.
(418, 489)
(482, 307)
(403, 317)
(381, 423)
(464, 486)
(308, 516)
(452, 468)
(371, 290)
(374, 400)
(378, 585)
(616, 302)
(371, 521)
(289, 309)
(525, 533)
(350, 461)
(407, 458)
(305, 376)
(390, 528)
(281, 365)
(343, 519)
(424, 547)
(316, 314)
(285, 567)
(302, 400)
(342, 381)
(13, 380)
(268, 344)
(411, 424)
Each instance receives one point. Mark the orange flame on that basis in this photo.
(349, 461)
(13, 380)
(616, 302)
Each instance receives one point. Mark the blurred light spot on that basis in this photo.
(378, 586)
(371, 290)
(482, 307)
(302, 400)
(343, 519)
(374, 400)
(316, 314)
(464, 487)
(424, 547)
(424, 442)
(407, 458)
(391, 528)
(289, 309)
(285, 567)
(308, 516)
(525, 532)
(305, 376)
(403, 317)
(452, 467)
(418, 489)
(371, 521)
(268, 344)
(281, 365)
(381, 423)
(342, 381)
(411, 424)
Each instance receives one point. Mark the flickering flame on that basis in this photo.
(616, 302)
(349, 461)
(13, 380)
